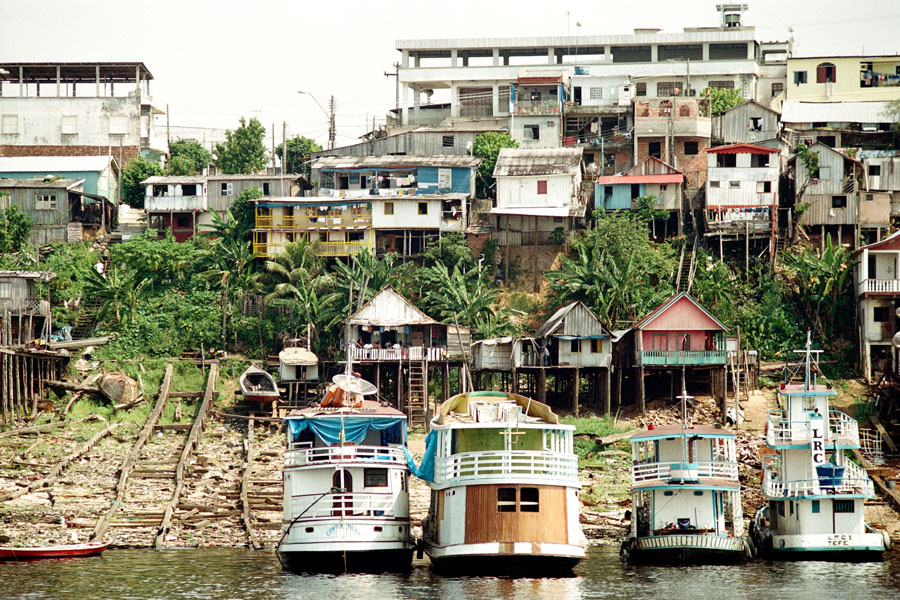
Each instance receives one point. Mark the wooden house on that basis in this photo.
(679, 339)
(832, 193)
(60, 209)
(747, 123)
(393, 338)
(22, 313)
(878, 294)
(651, 177)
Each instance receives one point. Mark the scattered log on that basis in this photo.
(55, 472)
(134, 402)
(246, 418)
(38, 429)
(186, 395)
(128, 462)
(89, 381)
(189, 444)
(609, 439)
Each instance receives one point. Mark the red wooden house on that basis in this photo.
(679, 338)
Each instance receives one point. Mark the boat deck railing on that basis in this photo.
(781, 430)
(515, 463)
(662, 471)
(298, 456)
(854, 481)
(352, 504)
(687, 540)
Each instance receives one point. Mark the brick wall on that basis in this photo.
(693, 166)
(128, 153)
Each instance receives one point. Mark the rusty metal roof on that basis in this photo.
(519, 162)
(410, 161)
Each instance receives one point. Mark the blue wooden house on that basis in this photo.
(651, 177)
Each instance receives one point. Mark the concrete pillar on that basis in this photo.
(404, 104)
(454, 58)
(495, 99)
(57, 81)
(751, 51)
(404, 59)
(465, 60)
(417, 101)
(551, 55)
(97, 78)
(496, 52)
(654, 53)
(706, 52)
(21, 82)
(454, 100)
(417, 61)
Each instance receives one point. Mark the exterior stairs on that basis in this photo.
(87, 318)
(688, 263)
(417, 403)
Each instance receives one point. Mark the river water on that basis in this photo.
(247, 575)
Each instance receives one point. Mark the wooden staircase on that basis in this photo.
(417, 403)
(687, 265)
(87, 319)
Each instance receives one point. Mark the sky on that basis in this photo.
(215, 61)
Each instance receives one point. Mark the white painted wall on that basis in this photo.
(522, 191)
(746, 194)
(585, 358)
(406, 214)
(684, 504)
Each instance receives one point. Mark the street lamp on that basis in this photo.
(330, 117)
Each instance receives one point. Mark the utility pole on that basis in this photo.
(273, 148)
(283, 154)
(396, 76)
(168, 134)
(331, 128)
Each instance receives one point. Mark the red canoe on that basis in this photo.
(72, 550)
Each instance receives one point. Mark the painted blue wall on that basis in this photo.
(621, 195)
(428, 180)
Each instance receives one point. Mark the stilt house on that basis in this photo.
(391, 339)
(678, 339)
(22, 312)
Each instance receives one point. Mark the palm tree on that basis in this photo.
(232, 268)
(118, 291)
(467, 296)
(361, 277)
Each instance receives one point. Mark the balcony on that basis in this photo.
(175, 203)
(782, 432)
(680, 357)
(666, 471)
(879, 286)
(299, 455)
(326, 249)
(398, 354)
(520, 465)
(550, 106)
(330, 506)
(304, 222)
(854, 481)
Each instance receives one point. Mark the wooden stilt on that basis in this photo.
(641, 396)
(576, 384)
(542, 385)
(607, 392)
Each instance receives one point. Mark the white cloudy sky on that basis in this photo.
(214, 61)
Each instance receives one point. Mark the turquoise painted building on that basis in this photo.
(100, 173)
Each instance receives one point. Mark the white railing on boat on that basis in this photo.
(854, 481)
(299, 456)
(343, 505)
(398, 354)
(687, 540)
(516, 463)
(662, 471)
(780, 430)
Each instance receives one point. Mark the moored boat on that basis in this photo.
(504, 488)
(41, 552)
(686, 503)
(346, 498)
(258, 386)
(815, 493)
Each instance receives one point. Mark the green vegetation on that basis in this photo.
(14, 229)
(187, 157)
(721, 99)
(298, 150)
(243, 151)
(487, 146)
(132, 175)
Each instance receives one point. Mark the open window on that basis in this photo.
(506, 499)
(825, 73)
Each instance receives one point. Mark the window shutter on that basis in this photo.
(820, 74)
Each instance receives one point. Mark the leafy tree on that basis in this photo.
(298, 150)
(716, 288)
(15, 226)
(243, 151)
(118, 291)
(190, 152)
(465, 294)
(238, 220)
(721, 99)
(232, 268)
(487, 146)
(162, 263)
(450, 249)
(179, 166)
(132, 175)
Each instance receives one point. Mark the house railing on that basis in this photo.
(299, 456)
(682, 357)
(780, 430)
(662, 471)
(880, 286)
(854, 481)
(520, 464)
(397, 354)
(344, 505)
(268, 249)
(307, 222)
(537, 107)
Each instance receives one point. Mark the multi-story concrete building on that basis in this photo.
(878, 292)
(481, 74)
(79, 109)
(843, 78)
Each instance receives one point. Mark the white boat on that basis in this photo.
(815, 494)
(504, 487)
(258, 386)
(686, 497)
(346, 499)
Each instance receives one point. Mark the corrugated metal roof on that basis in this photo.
(668, 303)
(793, 111)
(742, 149)
(401, 161)
(587, 324)
(173, 180)
(389, 308)
(620, 179)
(42, 275)
(53, 164)
(59, 184)
(517, 162)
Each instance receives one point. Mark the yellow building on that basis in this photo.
(843, 78)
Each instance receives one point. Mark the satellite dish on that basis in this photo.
(896, 340)
(354, 385)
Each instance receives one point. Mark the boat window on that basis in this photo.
(506, 500)
(843, 506)
(529, 500)
(792, 507)
(698, 493)
(375, 477)
(815, 506)
(668, 493)
(781, 509)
